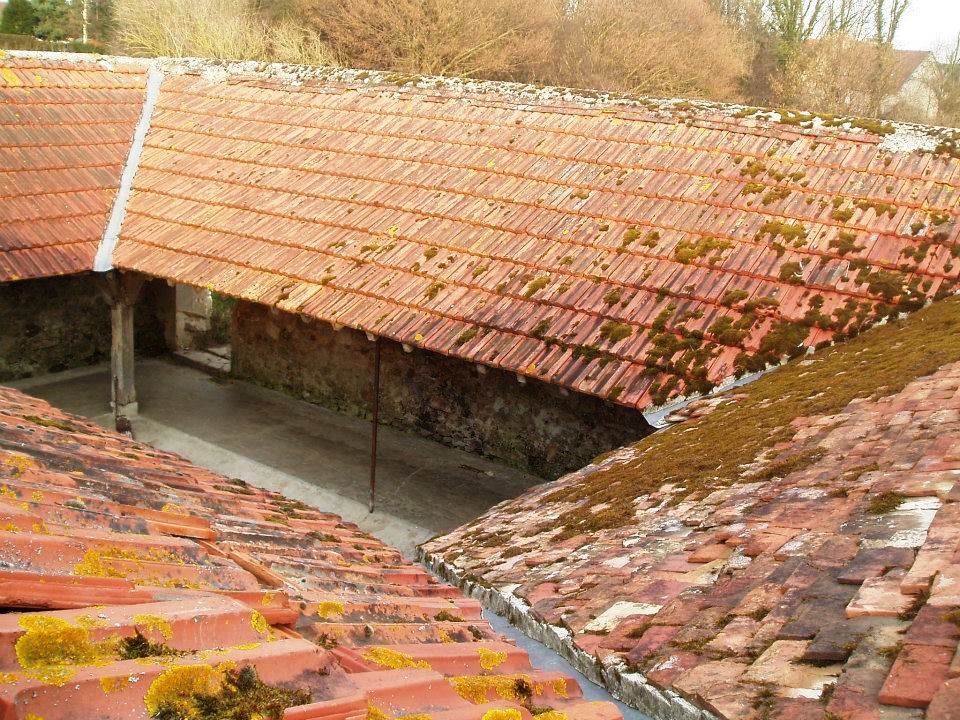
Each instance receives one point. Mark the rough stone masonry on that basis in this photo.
(535, 426)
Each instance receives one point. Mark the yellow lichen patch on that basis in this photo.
(19, 463)
(53, 642)
(508, 714)
(173, 689)
(92, 565)
(267, 599)
(171, 508)
(393, 659)
(375, 713)
(36, 496)
(207, 654)
(33, 716)
(10, 527)
(476, 688)
(8, 677)
(259, 623)
(560, 687)
(10, 77)
(89, 622)
(153, 624)
(445, 637)
(58, 676)
(416, 716)
(40, 528)
(552, 715)
(491, 659)
(113, 684)
(330, 609)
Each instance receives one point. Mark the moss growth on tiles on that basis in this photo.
(732, 297)
(883, 503)
(466, 336)
(50, 423)
(790, 232)
(138, 646)
(613, 331)
(612, 296)
(201, 692)
(434, 289)
(845, 242)
(792, 273)
(704, 248)
(711, 452)
(535, 286)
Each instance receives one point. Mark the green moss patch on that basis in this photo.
(711, 452)
(137, 646)
(708, 248)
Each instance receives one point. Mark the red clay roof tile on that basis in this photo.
(462, 216)
(104, 538)
(65, 131)
(823, 571)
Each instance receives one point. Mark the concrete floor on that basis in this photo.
(274, 441)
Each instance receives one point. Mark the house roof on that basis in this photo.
(908, 62)
(632, 249)
(65, 131)
(792, 551)
(144, 579)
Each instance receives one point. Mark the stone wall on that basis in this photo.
(533, 426)
(60, 323)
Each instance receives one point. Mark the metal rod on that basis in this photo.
(376, 421)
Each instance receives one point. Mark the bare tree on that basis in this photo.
(794, 22)
(226, 29)
(832, 74)
(503, 39)
(887, 15)
(648, 47)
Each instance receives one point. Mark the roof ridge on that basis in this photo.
(896, 136)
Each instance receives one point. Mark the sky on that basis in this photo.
(928, 24)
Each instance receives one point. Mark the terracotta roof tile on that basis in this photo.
(65, 131)
(518, 227)
(102, 538)
(821, 576)
(441, 219)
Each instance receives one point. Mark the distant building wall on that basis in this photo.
(60, 323)
(532, 426)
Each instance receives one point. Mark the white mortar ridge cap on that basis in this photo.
(903, 137)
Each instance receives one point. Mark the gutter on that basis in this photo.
(632, 688)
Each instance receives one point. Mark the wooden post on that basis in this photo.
(121, 359)
(121, 292)
(376, 421)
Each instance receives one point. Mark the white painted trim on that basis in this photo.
(104, 258)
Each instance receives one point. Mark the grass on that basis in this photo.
(712, 452)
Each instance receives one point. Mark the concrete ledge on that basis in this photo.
(631, 688)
